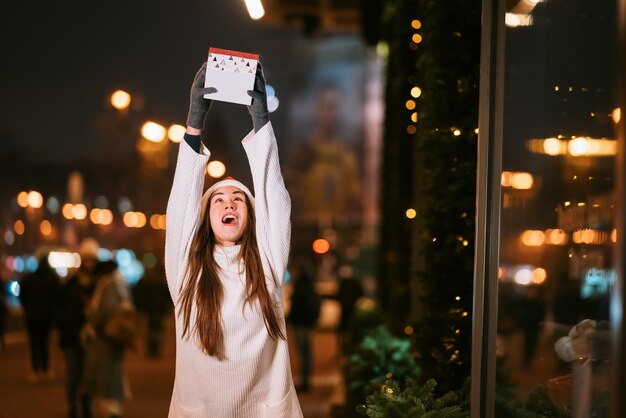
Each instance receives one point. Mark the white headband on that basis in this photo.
(228, 181)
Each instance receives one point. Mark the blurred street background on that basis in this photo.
(150, 379)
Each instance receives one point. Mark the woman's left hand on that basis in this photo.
(258, 108)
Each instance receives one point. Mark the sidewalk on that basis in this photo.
(150, 380)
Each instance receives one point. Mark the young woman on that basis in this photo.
(226, 253)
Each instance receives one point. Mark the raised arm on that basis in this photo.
(183, 206)
(272, 202)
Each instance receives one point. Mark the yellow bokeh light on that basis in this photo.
(522, 181)
(516, 180)
(414, 117)
(176, 133)
(106, 217)
(416, 92)
(538, 276)
(411, 213)
(533, 238)
(153, 132)
(141, 219)
(552, 146)
(255, 9)
(556, 237)
(578, 146)
(45, 227)
(614, 235)
(95, 216)
(19, 227)
(79, 211)
(411, 129)
(216, 169)
(410, 104)
(588, 236)
(35, 199)
(157, 221)
(616, 115)
(130, 219)
(512, 20)
(68, 211)
(417, 38)
(523, 276)
(456, 132)
(505, 178)
(416, 24)
(22, 199)
(120, 99)
(154, 221)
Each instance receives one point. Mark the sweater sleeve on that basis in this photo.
(272, 201)
(183, 212)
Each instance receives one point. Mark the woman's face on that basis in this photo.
(228, 214)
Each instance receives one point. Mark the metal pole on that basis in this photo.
(490, 125)
(618, 326)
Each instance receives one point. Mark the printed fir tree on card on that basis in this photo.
(232, 73)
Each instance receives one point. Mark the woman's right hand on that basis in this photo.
(198, 105)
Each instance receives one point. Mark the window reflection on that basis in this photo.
(558, 203)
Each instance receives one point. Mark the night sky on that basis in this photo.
(62, 60)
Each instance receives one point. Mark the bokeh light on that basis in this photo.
(120, 99)
(153, 132)
(176, 133)
(321, 246)
(216, 169)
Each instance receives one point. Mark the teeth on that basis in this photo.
(228, 219)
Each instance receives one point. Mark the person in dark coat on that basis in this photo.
(73, 303)
(152, 298)
(104, 378)
(3, 312)
(38, 291)
(305, 309)
(350, 290)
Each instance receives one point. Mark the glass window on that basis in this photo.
(558, 203)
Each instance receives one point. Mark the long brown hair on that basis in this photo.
(207, 291)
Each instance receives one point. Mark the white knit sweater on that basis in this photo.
(255, 378)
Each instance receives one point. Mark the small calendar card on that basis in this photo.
(232, 73)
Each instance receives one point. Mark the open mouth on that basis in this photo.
(229, 219)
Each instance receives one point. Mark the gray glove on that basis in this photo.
(258, 108)
(198, 105)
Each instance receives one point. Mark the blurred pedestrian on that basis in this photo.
(152, 299)
(73, 302)
(305, 310)
(104, 378)
(532, 314)
(350, 290)
(226, 254)
(38, 291)
(3, 312)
